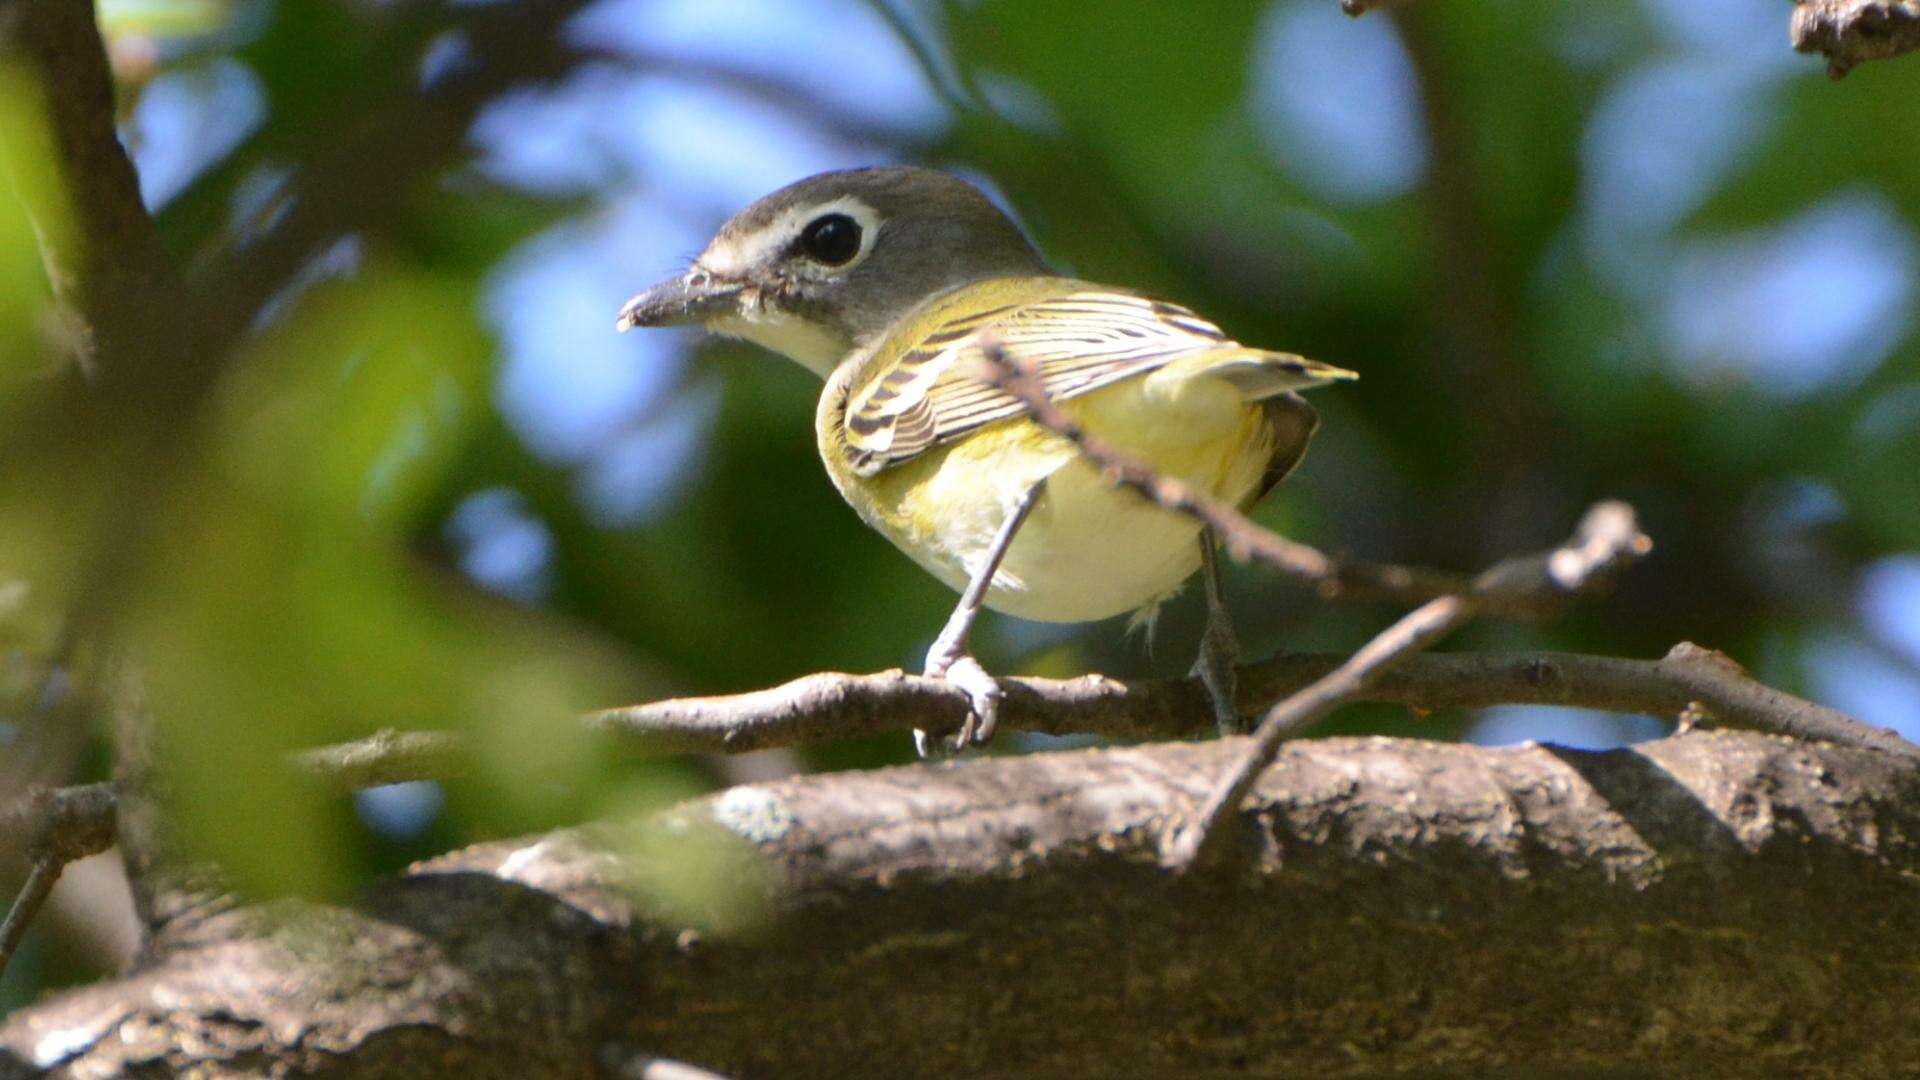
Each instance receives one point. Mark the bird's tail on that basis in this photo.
(1259, 374)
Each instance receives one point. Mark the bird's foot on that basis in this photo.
(1217, 668)
(955, 665)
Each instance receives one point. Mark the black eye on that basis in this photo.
(833, 239)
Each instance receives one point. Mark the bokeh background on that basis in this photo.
(1576, 250)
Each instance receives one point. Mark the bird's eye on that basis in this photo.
(833, 239)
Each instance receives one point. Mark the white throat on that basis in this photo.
(796, 339)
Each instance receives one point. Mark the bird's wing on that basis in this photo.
(938, 391)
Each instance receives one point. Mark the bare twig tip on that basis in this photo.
(1850, 32)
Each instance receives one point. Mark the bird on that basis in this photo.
(891, 284)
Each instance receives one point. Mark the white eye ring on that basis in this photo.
(864, 217)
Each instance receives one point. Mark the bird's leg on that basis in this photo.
(948, 657)
(1219, 649)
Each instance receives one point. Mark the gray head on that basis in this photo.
(825, 265)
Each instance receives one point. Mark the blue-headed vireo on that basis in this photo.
(884, 282)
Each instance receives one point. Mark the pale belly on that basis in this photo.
(1087, 551)
(1084, 554)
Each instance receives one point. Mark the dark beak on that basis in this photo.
(695, 296)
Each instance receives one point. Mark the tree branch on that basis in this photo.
(163, 343)
(1851, 32)
(1008, 915)
(101, 251)
(359, 180)
(59, 826)
(1847, 32)
(1704, 686)
(388, 757)
(1608, 538)
(830, 705)
(39, 885)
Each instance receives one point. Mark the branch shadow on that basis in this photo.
(1664, 812)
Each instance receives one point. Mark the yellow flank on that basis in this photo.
(1088, 551)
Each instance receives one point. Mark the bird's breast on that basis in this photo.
(1088, 551)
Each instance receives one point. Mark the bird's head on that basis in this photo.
(828, 264)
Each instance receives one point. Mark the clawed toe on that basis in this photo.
(983, 692)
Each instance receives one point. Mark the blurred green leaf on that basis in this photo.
(696, 872)
(285, 609)
(33, 211)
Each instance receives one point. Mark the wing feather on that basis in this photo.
(1076, 343)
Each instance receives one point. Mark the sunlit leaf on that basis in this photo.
(160, 18)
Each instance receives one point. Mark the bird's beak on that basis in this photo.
(694, 297)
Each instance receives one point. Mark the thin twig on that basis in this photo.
(25, 906)
(388, 757)
(829, 705)
(60, 825)
(1608, 538)
(1331, 576)
(1702, 683)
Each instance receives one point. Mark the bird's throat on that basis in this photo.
(810, 345)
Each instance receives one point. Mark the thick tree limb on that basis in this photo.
(1851, 32)
(1678, 906)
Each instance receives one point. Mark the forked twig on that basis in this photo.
(60, 826)
(1609, 537)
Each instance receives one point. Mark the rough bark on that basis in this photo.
(1851, 32)
(1709, 903)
